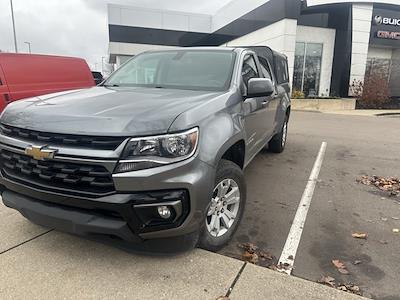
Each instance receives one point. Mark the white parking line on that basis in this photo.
(292, 242)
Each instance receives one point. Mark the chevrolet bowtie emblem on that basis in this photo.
(40, 152)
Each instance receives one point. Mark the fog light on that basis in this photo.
(164, 212)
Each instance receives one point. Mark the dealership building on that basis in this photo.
(329, 44)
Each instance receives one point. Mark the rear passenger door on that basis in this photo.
(282, 89)
(272, 101)
(4, 92)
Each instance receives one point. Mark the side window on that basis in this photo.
(282, 70)
(265, 68)
(249, 69)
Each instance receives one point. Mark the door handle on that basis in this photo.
(264, 103)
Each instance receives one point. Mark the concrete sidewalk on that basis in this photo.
(53, 265)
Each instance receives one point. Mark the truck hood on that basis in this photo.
(105, 111)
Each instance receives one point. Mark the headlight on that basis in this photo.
(149, 152)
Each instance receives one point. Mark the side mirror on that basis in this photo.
(259, 87)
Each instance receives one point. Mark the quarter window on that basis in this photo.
(282, 70)
(249, 69)
(265, 70)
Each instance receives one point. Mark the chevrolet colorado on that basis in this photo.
(155, 153)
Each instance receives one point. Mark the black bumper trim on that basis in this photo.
(69, 220)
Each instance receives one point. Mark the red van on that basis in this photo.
(28, 75)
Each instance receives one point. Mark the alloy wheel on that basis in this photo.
(224, 207)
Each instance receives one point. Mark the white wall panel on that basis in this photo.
(143, 18)
(360, 48)
(280, 36)
(362, 16)
(326, 37)
(158, 19)
(322, 2)
(200, 23)
(233, 10)
(175, 22)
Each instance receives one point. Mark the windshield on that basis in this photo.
(190, 70)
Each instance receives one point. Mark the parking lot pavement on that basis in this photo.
(340, 206)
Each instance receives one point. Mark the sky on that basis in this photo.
(75, 27)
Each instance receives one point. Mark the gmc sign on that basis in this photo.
(388, 35)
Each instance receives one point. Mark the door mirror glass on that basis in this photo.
(259, 87)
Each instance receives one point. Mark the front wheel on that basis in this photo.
(226, 207)
(278, 142)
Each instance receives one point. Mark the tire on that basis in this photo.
(278, 142)
(229, 177)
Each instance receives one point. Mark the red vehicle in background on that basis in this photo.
(28, 75)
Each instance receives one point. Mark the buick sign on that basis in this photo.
(379, 20)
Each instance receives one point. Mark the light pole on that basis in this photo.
(102, 64)
(13, 22)
(29, 46)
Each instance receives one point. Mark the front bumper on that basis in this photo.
(113, 216)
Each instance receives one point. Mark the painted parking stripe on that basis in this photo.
(292, 242)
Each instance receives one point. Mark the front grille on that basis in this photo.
(67, 178)
(84, 141)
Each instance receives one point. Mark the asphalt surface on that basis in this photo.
(357, 145)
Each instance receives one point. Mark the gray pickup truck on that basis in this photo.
(154, 156)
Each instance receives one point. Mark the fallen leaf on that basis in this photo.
(390, 185)
(384, 219)
(265, 254)
(383, 242)
(340, 266)
(343, 271)
(396, 230)
(290, 257)
(357, 262)
(283, 266)
(250, 257)
(358, 235)
(328, 280)
(395, 218)
(249, 247)
(349, 287)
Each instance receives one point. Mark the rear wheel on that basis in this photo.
(226, 207)
(278, 142)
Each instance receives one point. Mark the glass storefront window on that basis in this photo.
(298, 73)
(307, 68)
